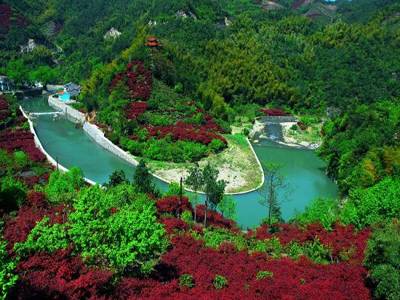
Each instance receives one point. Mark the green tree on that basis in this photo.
(373, 205)
(143, 179)
(44, 74)
(43, 238)
(17, 71)
(383, 260)
(119, 227)
(195, 181)
(116, 178)
(63, 187)
(113, 228)
(227, 206)
(325, 211)
(274, 182)
(213, 188)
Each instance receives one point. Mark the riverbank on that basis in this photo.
(238, 165)
(291, 134)
(309, 138)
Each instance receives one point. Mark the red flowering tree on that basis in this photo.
(138, 80)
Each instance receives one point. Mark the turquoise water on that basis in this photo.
(65, 97)
(302, 169)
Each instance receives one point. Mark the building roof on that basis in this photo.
(72, 88)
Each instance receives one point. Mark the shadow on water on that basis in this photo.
(302, 169)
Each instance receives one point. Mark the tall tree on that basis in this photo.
(195, 182)
(143, 180)
(274, 182)
(116, 178)
(213, 188)
(228, 207)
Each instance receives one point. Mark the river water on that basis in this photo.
(302, 169)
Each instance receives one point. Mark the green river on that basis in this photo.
(302, 169)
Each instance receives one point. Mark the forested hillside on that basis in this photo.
(167, 84)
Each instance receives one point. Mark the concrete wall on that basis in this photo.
(49, 158)
(71, 113)
(98, 136)
(92, 130)
(282, 119)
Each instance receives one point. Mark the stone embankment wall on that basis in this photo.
(92, 130)
(277, 119)
(39, 145)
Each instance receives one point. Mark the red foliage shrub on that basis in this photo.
(137, 78)
(274, 112)
(17, 229)
(185, 132)
(21, 140)
(289, 280)
(172, 224)
(210, 124)
(136, 109)
(343, 240)
(36, 199)
(173, 205)
(3, 103)
(60, 276)
(5, 17)
(4, 108)
(213, 218)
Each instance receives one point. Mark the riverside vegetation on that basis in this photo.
(176, 104)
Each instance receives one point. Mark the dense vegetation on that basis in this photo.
(174, 103)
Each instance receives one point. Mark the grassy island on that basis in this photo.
(237, 164)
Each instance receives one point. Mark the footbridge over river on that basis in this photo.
(50, 113)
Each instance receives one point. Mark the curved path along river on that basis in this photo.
(302, 169)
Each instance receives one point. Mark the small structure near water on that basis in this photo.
(72, 89)
(6, 84)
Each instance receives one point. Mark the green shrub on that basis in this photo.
(309, 120)
(324, 211)
(43, 238)
(63, 187)
(373, 205)
(264, 274)
(313, 250)
(8, 278)
(12, 193)
(214, 237)
(220, 282)
(134, 147)
(187, 216)
(21, 159)
(186, 280)
(383, 261)
(216, 145)
(117, 227)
